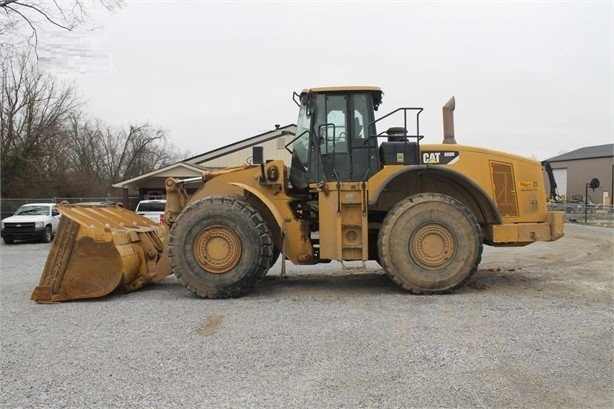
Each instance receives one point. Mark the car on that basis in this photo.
(31, 221)
(152, 209)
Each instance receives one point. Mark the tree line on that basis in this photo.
(51, 147)
(49, 144)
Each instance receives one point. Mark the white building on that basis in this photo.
(151, 185)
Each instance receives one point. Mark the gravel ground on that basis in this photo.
(533, 329)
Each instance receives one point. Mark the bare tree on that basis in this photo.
(101, 155)
(139, 149)
(34, 108)
(85, 162)
(21, 20)
(49, 146)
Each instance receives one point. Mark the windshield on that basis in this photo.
(151, 207)
(33, 211)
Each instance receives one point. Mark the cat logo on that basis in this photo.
(439, 157)
(431, 157)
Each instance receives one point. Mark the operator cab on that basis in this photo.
(336, 138)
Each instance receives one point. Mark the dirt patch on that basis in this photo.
(211, 327)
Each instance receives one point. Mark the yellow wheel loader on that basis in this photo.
(350, 193)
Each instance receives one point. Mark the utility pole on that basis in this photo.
(594, 184)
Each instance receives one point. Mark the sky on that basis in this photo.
(530, 78)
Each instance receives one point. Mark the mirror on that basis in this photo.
(257, 155)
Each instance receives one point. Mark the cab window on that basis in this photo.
(360, 115)
(331, 123)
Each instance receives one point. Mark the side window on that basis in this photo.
(360, 114)
(54, 211)
(331, 123)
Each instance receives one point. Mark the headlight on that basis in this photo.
(39, 225)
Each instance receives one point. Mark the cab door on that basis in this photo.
(363, 148)
(341, 125)
(331, 128)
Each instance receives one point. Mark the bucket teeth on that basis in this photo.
(100, 249)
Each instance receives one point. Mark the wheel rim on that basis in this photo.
(217, 249)
(432, 246)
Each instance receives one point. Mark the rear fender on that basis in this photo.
(400, 181)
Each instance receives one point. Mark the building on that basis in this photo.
(573, 170)
(151, 185)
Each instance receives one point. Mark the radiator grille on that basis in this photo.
(17, 227)
(504, 187)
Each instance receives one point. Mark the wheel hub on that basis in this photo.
(217, 249)
(432, 246)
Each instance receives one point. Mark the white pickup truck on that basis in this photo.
(31, 221)
(152, 209)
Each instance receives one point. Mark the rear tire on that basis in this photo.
(220, 247)
(430, 243)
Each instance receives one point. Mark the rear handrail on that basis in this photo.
(404, 109)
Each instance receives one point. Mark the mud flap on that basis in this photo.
(100, 249)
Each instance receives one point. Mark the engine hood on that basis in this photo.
(25, 219)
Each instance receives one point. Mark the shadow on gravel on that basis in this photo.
(327, 285)
(361, 284)
(168, 288)
(336, 285)
(350, 284)
(497, 280)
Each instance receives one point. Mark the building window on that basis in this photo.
(154, 195)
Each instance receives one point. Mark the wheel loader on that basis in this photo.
(350, 193)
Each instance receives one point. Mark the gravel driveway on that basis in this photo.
(533, 329)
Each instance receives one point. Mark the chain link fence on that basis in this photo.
(9, 206)
(592, 214)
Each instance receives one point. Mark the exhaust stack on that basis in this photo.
(448, 121)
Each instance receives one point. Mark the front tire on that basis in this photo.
(430, 243)
(47, 235)
(220, 247)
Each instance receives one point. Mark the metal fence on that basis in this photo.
(9, 206)
(593, 214)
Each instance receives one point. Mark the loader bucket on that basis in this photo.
(99, 249)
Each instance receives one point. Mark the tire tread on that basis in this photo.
(249, 281)
(386, 228)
